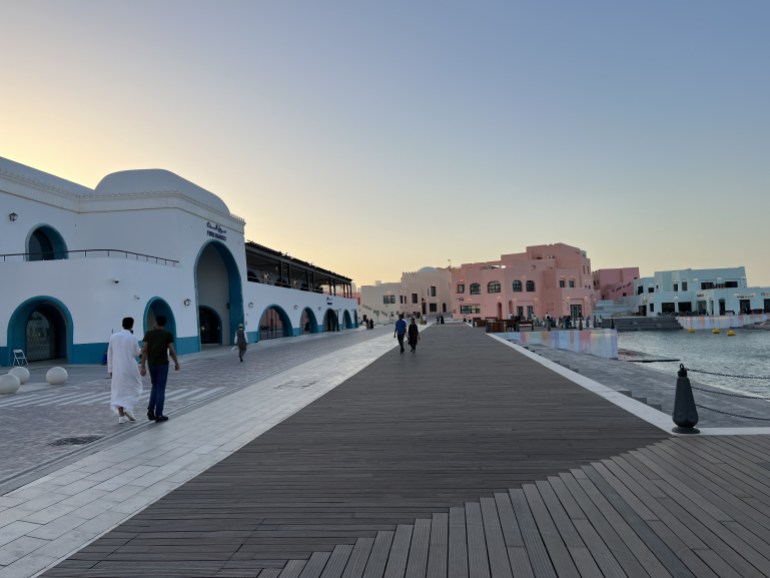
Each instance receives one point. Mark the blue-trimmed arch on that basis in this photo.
(45, 243)
(235, 287)
(158, 306)
(17, 326)
(347, 321)
(307, 322)
(264, 329)
(331, 320)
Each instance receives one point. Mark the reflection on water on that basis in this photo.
(747, 353)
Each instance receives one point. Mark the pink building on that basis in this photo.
(615, 284)
(545, 280)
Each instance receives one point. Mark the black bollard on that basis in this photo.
(685, 413)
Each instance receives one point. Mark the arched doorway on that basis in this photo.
(347, 322)
(274, 324)
(331, 321)
(45, 244)
(308, 323)
(219, 293)
(211, 326)
(42, 327)
(158, 307)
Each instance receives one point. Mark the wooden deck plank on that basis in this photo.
(378, 558)
(499, 565)
(458, 544)
(636, 483)
(621, 526)
(438, 549)
(315, 565)
(293, 569)
(358, 558)
(399, 552)
(514, 542)
(478, 559)
(538, 555)
(417, 563)
(554, 544)
(338, 559)
(658, 547)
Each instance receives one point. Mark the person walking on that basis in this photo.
(400, 331)
(158, 345)
(241, 341)
(126, 384)
(413, 335)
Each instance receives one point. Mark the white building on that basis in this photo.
(74, 261)
(698, 292)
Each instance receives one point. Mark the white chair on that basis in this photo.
(19, 358)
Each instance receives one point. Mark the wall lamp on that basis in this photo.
(186, 302)
(12, 217)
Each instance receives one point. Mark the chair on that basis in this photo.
(19, 358)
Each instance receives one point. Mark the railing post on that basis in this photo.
(685, 413)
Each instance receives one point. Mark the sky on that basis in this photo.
(378, 137)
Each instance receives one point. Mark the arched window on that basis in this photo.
(530, 286)
(517, 286)
(46, 244)
(475, 289)
(493, 287)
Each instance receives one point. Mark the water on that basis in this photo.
(746, 353)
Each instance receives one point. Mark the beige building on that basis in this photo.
(424, 293)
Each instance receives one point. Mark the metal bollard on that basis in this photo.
(685, 413)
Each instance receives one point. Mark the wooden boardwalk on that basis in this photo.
(465, 459)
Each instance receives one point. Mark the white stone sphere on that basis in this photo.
(9, 383)
(56, 376)
(21, 372)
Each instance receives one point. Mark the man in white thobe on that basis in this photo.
(122, 366)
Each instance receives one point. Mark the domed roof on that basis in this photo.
(427, 270)
(159, 182)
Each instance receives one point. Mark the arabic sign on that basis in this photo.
(216, 231)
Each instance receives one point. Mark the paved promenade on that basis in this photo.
(468, 458)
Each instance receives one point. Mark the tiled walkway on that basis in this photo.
(464, 459)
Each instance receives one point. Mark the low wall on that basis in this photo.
(721, 321)
(598, 342)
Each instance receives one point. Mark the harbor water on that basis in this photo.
(746, 354)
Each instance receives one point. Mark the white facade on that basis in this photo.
(74, 261)
(380, 302)
(685, 292)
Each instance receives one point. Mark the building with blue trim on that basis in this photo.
(74, 261)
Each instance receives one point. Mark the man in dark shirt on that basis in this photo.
(158, 345)
(400, 331)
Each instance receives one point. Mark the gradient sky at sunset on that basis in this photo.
(375, 137)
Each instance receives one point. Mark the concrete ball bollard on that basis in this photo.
(56, 376)
(21, 372)
(9, 384)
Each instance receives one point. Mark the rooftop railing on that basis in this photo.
(86, 253)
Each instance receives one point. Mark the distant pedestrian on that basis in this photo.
(400, 331)
(158, 345)
(413, 335)
(241, 341)
(126, 384)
